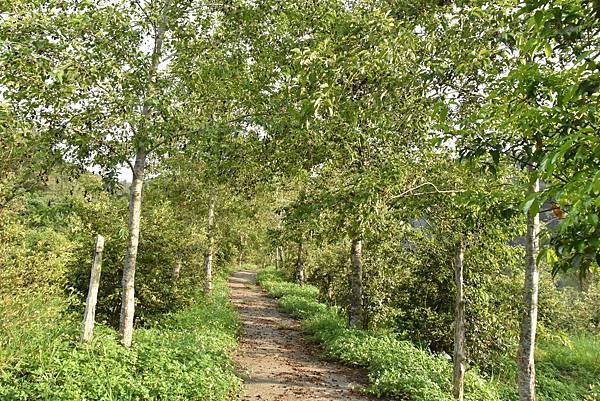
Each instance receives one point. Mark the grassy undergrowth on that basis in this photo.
(183, 356)
(399, 369)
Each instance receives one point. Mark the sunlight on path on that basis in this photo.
(275, 361)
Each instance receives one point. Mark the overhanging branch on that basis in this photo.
(436, 190)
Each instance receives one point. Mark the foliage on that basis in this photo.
(272, 281)
(48, 236)
(567, 370)
(73, 210)
(34, 261)
(182, 356)
(408, 281)
(572, 309)
(541, 113)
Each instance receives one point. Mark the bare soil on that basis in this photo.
(275, 360)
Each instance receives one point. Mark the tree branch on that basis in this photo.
(199, 130)
(129, 164)
(410, 191)
(528, 164)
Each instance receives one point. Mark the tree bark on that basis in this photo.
(330, 293)
(525, 360)
(356, 308)
(280, 257)
(176, 269)
(135, 201)
(300, 264)
(459, 323)
(210, 236)
(128, 280)
(89, 315)
(241, 253)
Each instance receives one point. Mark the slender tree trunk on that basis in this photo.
(300, 264)
(176, 269)
(241, 254)
(329, 289)
(135, 201)
(526, 362)
(277, 258)
(128, 280)
(280, 257)
(89, 316)
(210, 236)
(356, 308)
(459, 323)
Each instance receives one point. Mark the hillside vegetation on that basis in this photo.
(422, 179)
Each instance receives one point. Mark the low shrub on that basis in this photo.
(274, 282)
(300, 306)
(182, 356)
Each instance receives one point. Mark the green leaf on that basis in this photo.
(596, 184)
(531, 204)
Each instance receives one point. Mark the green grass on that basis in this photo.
(569, 370)
(276, 284)
(566, 370)
(182, 356)
(579, 355)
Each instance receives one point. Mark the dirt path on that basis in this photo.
(276, 362)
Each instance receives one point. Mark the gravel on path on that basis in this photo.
(275, 360)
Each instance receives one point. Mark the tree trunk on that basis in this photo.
(280, 260)
(135, 201)
(356, 309)
(526, 362)
(459, 323)
(89, 315)
(241, 254)
(329, 289)
(176, 269)
(300, 264)
(128, 280)
(210, 236)
(277, 258)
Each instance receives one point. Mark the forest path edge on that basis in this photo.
(274, 358)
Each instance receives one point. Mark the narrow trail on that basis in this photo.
(275, 360)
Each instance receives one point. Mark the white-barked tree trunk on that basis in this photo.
(525, 359)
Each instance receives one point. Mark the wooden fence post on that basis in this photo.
(87, 331)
